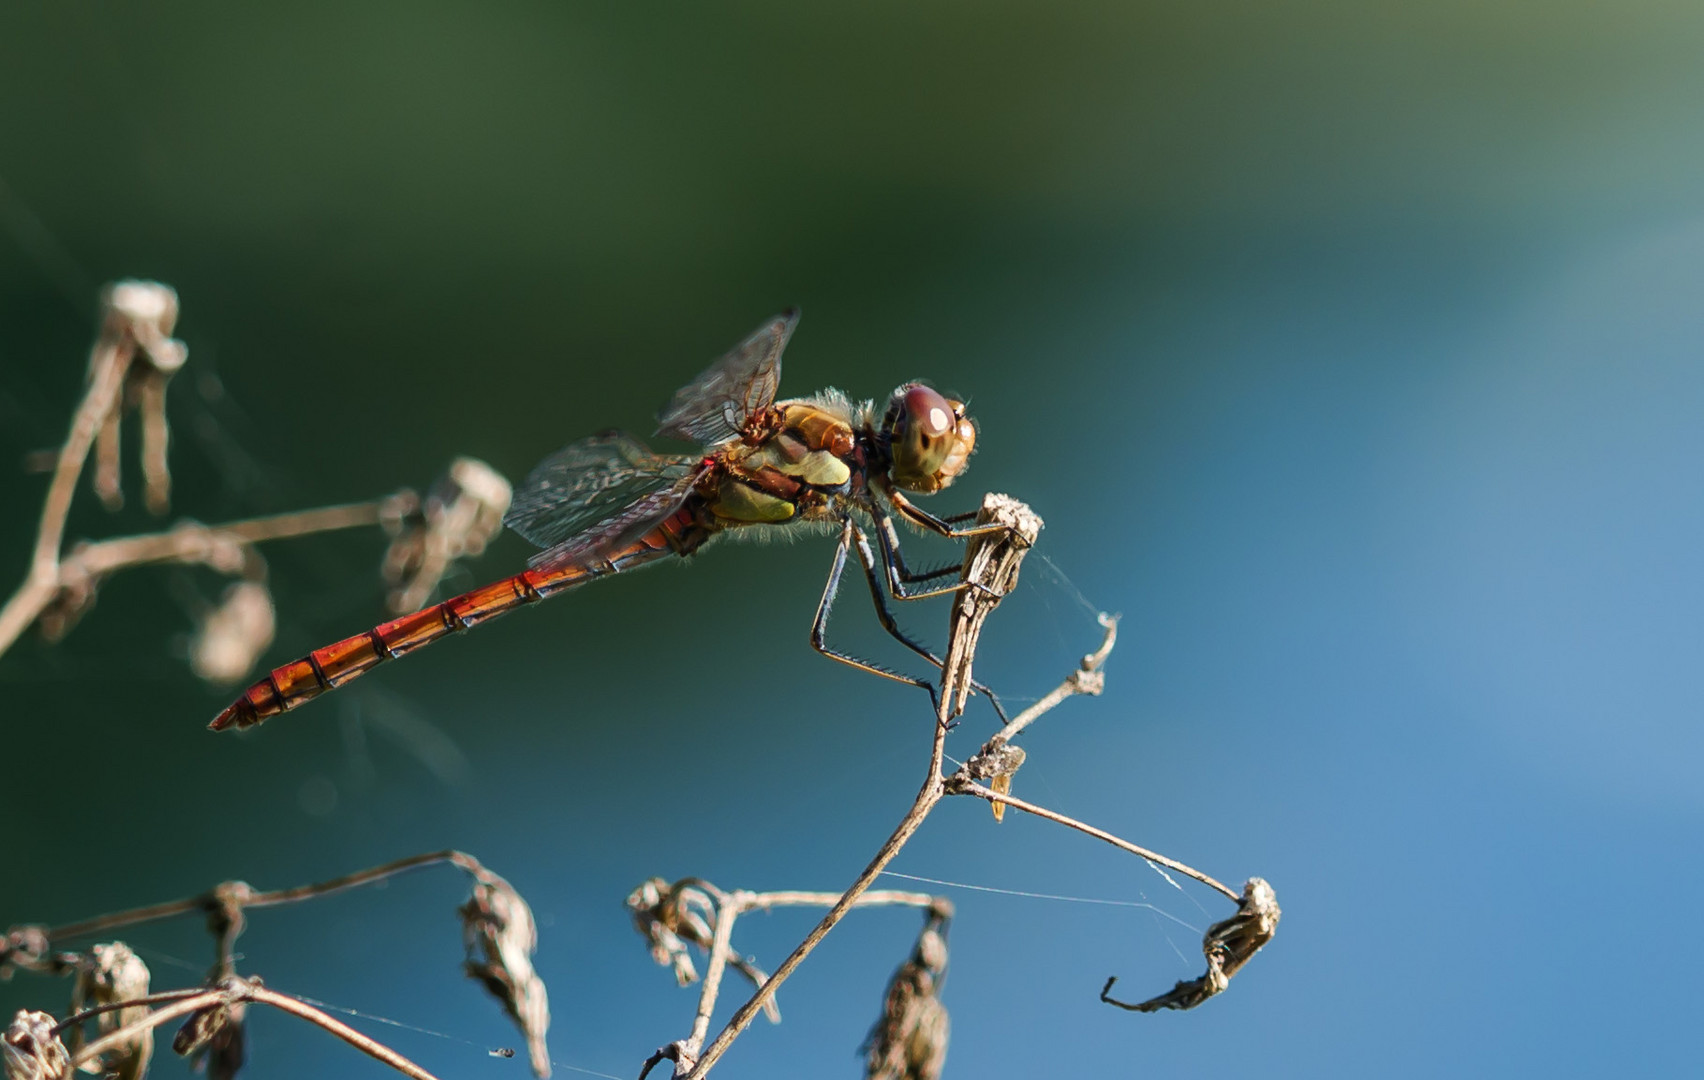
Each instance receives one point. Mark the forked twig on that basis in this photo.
(230, 991)
(990, 570)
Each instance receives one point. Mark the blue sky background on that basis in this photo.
(1352, 354)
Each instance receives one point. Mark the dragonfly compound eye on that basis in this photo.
(931, 438)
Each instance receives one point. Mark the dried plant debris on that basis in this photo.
(140, 319)
(671, 917)
(909, 1042)
(996, 763)
(232, 636)
(666, 919)
(501, 937)
(31, 1051)
(1228, 945)
(24, 948)
(463, 511)
(111, 974)
(214, 1037)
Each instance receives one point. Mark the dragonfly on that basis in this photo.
(608, 504)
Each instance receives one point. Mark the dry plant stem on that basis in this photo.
(727, 911)
(1085, 680)
(968, 787)
(161, 998)
(187, 1003)
(120, 1036)
(187, 543)
(354, 1038)
(731, 905)
(192, 904)
(927, 797)
(42, 584)
(990, 569)
(879, 897)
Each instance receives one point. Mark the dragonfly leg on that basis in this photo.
(879, 596)
(899, 575)
(923, 518)
(819, 625)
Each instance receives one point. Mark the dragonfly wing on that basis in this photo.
(601, 490)
(714, 407)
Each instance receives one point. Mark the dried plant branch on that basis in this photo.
(130, 364)
(118, 1037)
(498, 927)
(990, 570)
(371, 1047)
(229, 992)
(961, 786)
(136, 317)
(245, 896)
(672, 909)
(1087, 679)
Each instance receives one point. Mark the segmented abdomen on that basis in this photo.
(335, 664)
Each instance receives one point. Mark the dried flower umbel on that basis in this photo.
(111, 974)
(498, 928)
(909, 1042)
(31, 1051)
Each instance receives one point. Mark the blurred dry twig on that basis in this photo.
(498, 926)
(132, 358)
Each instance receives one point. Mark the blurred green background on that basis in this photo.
(1351, 351)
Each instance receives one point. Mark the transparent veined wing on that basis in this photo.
(600, 491)
(714, 407)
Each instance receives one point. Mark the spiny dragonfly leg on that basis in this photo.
(921, 517)
(899, 575)
(879, 595)
(819, 625)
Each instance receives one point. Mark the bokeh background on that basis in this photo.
(1352, 352)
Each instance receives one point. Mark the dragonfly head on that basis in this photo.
(929, 438)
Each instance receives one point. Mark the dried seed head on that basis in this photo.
(114, 973)
(1228, 945)
(498, 929)
(213, 1036)
(148, 311)
(654, 917)
(462, 512)
(909, 1041)
(31, 1051)
(232, 637)
(24, 947)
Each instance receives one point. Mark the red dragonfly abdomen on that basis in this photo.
(335, 664)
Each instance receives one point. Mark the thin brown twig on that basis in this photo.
(233, 990)
(211, 899)
(135, 316)
(1087, 679)
(120, 1036)
(161, 998)
(370, 1047)
(961, 786)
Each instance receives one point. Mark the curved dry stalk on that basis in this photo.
(371, 1047)
(245, 897)
(960, 786)
(120, 1036)
(231, 991)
